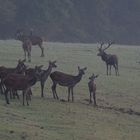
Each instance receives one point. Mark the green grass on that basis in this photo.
(48, 119)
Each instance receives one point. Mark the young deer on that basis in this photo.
(92, 88)
(66, 80)
(24, 83)
(45, 74)
(35, 40)
(110, 59)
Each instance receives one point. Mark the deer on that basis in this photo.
(27, 46)
(21, 82)
(109, 59)
(44, 75)
(92, 88)
(4, 71)
(35, 40)
(66, 80)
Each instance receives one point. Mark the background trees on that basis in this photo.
(73, 20)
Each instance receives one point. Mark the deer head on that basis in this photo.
(93, 77)
(52, 64)
(102, 50)
(82, 70)
(21, 67)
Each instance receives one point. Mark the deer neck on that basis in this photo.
(104, 56)
(78, 78)
(32, 80)
(47, 72)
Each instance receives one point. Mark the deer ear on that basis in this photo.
(85, 68)
(54, 61)
(78, 68)
(23, 60)
(97, 75)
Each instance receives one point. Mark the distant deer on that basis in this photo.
(35, 40)
(92, 88)
(66, 80)
(110, 59)
(21, 82)
(27, 46)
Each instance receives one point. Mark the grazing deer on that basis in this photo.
(92, 88)
(110, 59)
(35, 40)
(21, 82)
(67, 80)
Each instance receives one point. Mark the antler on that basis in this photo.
(101, 45)
(109, 44)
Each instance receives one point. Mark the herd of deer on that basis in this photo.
(22, 78)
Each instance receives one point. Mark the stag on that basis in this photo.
(24, 83)
(109, 59)
(66, 80)
(92, 88)
(35, 40)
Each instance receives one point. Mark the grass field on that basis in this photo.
(116, 118)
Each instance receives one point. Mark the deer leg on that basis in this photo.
(107, 69)
(42, 88)
(29, 56)
(6, 96)
(23, 93)
(53, 89)
(90, 100)
(27, 95)
(42, 50)
(68, 94)
(110, 70)
(16, 94)
(94, 98)
(24, 54)
(72, 94)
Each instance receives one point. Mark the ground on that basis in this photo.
(117, 116)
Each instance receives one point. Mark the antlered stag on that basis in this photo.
(66, 80)
(109, 59)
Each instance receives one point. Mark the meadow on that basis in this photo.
(117, 116)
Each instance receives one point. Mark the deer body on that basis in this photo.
(66, 80)
(35, 40)
(92, 89)
(20, 82)
(109, 59)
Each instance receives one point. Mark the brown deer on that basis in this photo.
(92, 89)
(44, 74)
(4, 71)
(66, 80)
(21, 82)
(35, 40)
(27, 46)
(110, 59)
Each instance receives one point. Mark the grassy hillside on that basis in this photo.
(115, 118)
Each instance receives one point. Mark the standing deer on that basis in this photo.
(21, 82)
(92, 88)
(35, 40)
(110, 59)
(27, 46)
(44, 75)
(66, 80)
